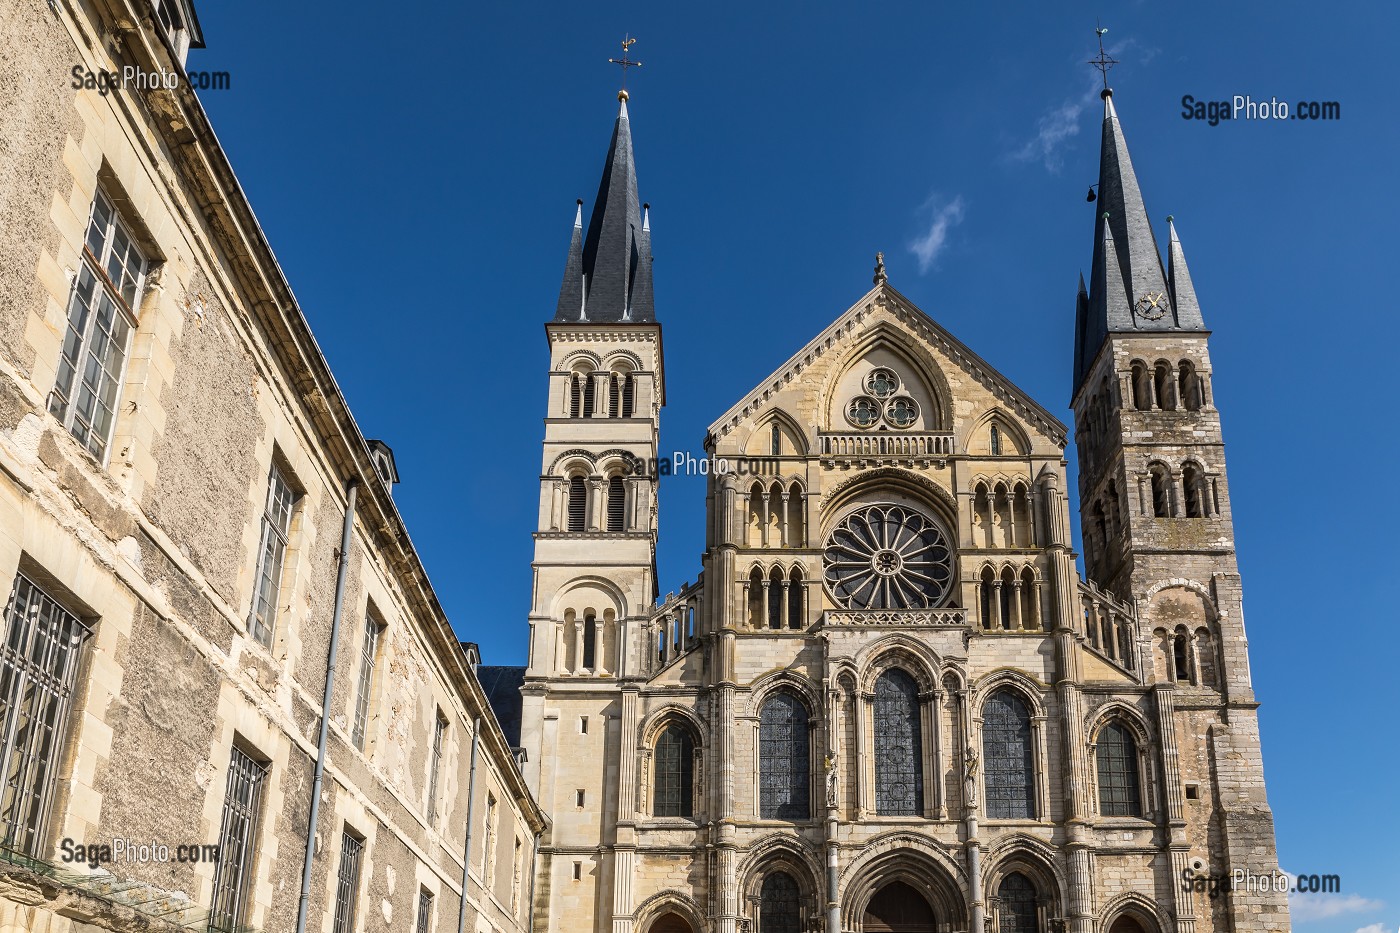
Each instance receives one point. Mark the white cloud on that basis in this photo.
(1376, 928)
(1305, 907)
(941, 220)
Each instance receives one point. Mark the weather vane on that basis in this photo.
(625, 63)
(1103, 62)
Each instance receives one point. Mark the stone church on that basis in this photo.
(890, 702)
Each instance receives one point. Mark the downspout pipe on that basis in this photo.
(344, 563)
(471, 821)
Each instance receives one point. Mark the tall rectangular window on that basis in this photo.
(488, 854)
(347, 881)
(237, 836)
(369, 651)
(272, 551)
(425, 912)
(517, 877)
(101, 317)
(435, 764)
(38, 668)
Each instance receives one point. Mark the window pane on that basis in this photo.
(674, 773)
(1118, 772)
(1017, 911)
(784, 759)
(237, 836)
(899, 779)
(1006, 751)
(347, 883)
(779, 905)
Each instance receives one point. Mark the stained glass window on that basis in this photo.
(784, 759)
(1006, 751)
(675, 770)
(1118, 772)
(779, 905)
(899, 779)
(1017, 912)
(888, 557)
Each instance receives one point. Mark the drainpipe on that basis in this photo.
(471, 821)
(344, 563)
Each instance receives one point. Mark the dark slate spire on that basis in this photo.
(1128, 286)
(1179, 280)
(615, 263)
(571, 290)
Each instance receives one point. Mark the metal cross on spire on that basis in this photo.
(624, 62)
(1103, 62)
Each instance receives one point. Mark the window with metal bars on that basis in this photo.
(784, 759)
(675, 773)
(237, 837)
(1006, 753)
(1016, 908)
(38, 670)
(369, 654)
(899, 778)
(575, 397)
(578, 503)
(272, 551)
(435, 764)
(617, 503)
(614, 395)
(425, 912)
(347, 881)
(101, 317)
(1117, 755)
(629, 393)
(590, 383)
(779, 904)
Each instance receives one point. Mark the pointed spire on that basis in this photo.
(1188, 310)
(1128, 286)
(615, 261)
(571, 289)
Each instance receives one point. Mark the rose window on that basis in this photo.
(888, 557)
(883, 402)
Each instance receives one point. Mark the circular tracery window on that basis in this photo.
(882, 404)
(863, 411)
(881, 383)
(888, 557)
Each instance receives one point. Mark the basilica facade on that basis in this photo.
(890, 701)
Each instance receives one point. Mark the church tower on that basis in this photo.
(594, 579)
(1158, 534)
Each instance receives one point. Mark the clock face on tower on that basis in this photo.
(1152, 306)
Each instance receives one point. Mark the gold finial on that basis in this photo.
(624, 62)
(880, 277)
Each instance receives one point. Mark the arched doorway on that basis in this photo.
(898, 908)
(1127, 925)
(671, 923)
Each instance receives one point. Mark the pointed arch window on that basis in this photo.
(578, 503)
(617, 500)
(675, 772)
(899, 779)
(1016, 910)
(1117, 753)
(1006, 750)
(784, 759)
(777, 439)
(779, 905)
(996, 441)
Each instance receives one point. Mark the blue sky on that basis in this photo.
(416, 169)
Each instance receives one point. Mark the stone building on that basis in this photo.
(187, 512)
(890, 702)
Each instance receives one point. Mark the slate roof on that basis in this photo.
(607, 276)
(1127, 264)
(502, 687)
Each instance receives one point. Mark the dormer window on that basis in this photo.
(177, 20)
(382, 457)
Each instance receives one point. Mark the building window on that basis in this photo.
(488, 854)
(101, 317)
(590, 383)
(425, 912)
(675, 772)
(996, 441)
(779, 905)
(1193, 488)
(517, 881)
(590, 641)
(347, 882)
(369, 653)
(237, 835)
(38, 669)
(1118, 772)
(614, 396)
(272, 551)
(579, 797)
(617, 503)
(888, 557)
(1161, 490)
(777, 436)
(578, 503)
(899, 778)
(784, 761)
(1006, 750)
(435, 763)
(575, 396)
(1181, 657)
(629, 394)
(1016, 910)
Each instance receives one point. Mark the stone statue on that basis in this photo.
(970, 763)
(832, 788)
